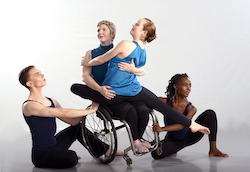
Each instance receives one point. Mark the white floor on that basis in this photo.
(15, 157)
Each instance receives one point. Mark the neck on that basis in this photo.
(36, 94)
(140, 42)
(178, 99)
(106, 43)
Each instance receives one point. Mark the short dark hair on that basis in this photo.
(24, 75)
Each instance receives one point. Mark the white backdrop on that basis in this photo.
(207, 39)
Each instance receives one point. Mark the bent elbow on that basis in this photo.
(84, 78)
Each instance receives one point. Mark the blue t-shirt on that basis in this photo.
(180, 134)
(98, 72)
(42, 130)
(125, 83)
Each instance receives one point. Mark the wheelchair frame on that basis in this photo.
(102, 126)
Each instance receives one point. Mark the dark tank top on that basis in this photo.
(42, 130)
(99, 72)
(180, 134)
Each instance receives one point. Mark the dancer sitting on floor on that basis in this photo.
(177, 92)
(40, 113)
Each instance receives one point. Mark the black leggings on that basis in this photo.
(59, 156)
(136, 114)
(171, 146)
(145, 95)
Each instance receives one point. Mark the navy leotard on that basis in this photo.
(180, 134)
(42, 130)
(98, 72)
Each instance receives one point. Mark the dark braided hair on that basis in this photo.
(170, 91)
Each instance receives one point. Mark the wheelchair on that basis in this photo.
(103, 128)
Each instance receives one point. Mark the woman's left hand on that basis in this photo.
(128, 67)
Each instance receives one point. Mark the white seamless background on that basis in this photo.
(207, 39)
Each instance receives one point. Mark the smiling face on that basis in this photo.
(183, 87)
(104, 35)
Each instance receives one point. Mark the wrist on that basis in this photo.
(99, 89)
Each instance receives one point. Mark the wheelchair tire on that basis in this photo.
(102, 127)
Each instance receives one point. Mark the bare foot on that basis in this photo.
(146, 144)
(119, 153)
(218, 153)
(140, 147)
(197, 127)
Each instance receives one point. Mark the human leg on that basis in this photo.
(168, 147)
(98, 147)
(128, 112)
(54, 158)
(209, 119)
(153, 102)
(143, 116)
(66, 137)
(87, 93)
(146, 96)
(132, 119)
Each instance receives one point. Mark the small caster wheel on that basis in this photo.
(129, 162)
(127, 159)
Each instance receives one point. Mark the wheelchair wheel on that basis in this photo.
(102, 127)
(149, 135)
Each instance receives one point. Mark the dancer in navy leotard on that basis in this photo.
(177, 92)
(40, 113)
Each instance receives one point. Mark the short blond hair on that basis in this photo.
(110, 25)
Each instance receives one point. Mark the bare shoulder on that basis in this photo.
(125, 47)
(56, 103)
(192, 108)
(31, 107)
(88, 52)
(125, 43)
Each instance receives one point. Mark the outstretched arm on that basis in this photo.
(73, 115)
(122, 50)
(87, 61)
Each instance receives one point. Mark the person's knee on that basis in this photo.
(73, 88)
(210, 112)
(131, 111)
(211, 115)
(142, 107)
(72, 159)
